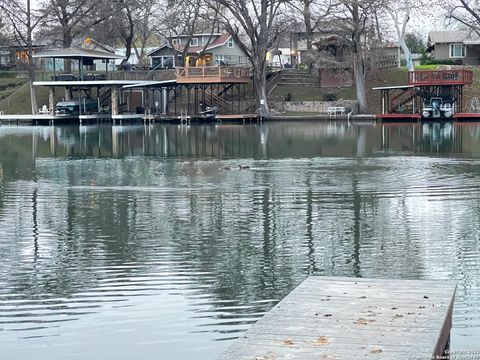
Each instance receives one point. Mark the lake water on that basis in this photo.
(148, 242)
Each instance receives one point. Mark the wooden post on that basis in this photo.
(51, 100)
(67, 94)
(114, 101)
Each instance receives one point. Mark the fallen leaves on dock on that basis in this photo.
(328, 356)
(321, 340)
(267, 356)
(362, 321)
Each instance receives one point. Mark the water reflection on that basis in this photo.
(266, 141)
(138, 235)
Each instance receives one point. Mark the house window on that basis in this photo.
(220, 60)
(230, 43)
(457, 51)
(194, 42)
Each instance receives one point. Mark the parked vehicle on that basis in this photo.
(72, 106)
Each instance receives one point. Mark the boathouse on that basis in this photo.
(187, 92)
(429, 95)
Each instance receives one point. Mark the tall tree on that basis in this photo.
(145, 30)
(399, 11)
(180, 18)
(67, 20)
(24, 20)
(312, 14)
(255, 25)
(466, 12)
(354, 21)
(415, 43)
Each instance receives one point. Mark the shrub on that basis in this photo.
(329, 97)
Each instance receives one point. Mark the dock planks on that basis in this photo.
(349, 318)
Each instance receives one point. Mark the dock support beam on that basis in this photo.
(114, 101)
(51, 100)
(67, 94)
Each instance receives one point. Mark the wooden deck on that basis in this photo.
(440, 77)
(236, 116)
(348, 318)
(213, 74)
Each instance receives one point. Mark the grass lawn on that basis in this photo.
(427, 67)
(15, 96)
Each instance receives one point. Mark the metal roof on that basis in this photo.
(151, 83)
(393, 87)
(76, 53)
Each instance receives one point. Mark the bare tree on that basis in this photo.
(354, 21)
(255, 26)
(144, 30)
(466, 12)
(313, 13)
(130, 22)
(66, 20)
(23, 20)
(400, 13)
(180, 18)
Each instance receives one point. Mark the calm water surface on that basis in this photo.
(122, 242)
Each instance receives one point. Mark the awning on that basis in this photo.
(76, 53)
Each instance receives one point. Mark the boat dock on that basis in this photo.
(350, 318)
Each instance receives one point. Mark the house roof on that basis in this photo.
(195, 35)
(448, 37)
(220, 40)
(150, 53)
(76, 53)
(439, 37)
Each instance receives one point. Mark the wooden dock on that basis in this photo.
(349, 318)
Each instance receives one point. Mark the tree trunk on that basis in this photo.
(33, 98)
(359, 71)
(407, 52)
(308, 24)
(66, 43)
(307, 16)
(260, 75)
(128, 38)
(31, 65)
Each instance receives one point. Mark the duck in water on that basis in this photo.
(243, 167)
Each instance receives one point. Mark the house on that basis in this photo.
(200, 50)
(386, 55)
(460, 47)
(15, 57)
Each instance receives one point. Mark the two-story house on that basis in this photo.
(200, 50)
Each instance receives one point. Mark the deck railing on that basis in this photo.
(147, 75)
(217, 73)
(440, 77)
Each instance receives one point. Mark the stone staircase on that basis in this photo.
(298, 77)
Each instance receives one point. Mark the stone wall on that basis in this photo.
(312, 106)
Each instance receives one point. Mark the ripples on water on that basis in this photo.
(139, 242)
